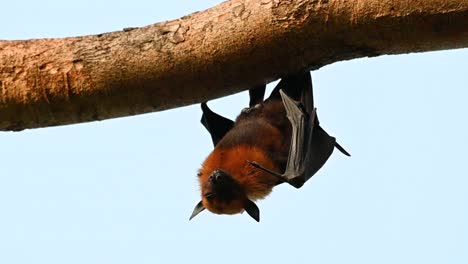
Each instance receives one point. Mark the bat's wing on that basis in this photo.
(310, 146)
(217, 125)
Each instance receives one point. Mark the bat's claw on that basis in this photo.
(248, 110)
(342, 150)
(280, 177)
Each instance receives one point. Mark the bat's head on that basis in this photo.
(229, 183)
(222, 194)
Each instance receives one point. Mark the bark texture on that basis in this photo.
(209, 54)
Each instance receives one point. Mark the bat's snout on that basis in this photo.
(218, 177)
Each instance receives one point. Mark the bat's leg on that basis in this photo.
(217, 125)
(256, 98)
(256, 95)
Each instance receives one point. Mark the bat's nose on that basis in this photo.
(217, 176)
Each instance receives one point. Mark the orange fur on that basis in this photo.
(256, 183)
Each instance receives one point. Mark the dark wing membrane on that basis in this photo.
(216, 125)
(310, 146)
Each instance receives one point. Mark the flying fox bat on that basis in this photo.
(273, 141)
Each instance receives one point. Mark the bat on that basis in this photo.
(273, 141)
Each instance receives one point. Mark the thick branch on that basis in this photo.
(209, 54)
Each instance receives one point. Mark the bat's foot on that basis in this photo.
(248, 110)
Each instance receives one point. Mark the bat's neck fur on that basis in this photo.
(255, 183)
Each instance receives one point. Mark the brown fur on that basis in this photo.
(261, 134)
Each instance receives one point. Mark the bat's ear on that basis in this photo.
(198, 208)
(252, 209)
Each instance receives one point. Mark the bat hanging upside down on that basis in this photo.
(271, 142)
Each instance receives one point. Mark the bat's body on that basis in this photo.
(269, 138)
(262, 134)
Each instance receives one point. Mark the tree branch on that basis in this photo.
(210, 54)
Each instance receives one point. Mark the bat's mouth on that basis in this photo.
(222, 186)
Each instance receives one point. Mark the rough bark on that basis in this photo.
(220, 51)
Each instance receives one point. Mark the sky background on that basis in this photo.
(121, 190)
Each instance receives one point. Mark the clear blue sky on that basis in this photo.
(121, 191)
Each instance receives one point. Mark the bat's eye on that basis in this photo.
(209, 196)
